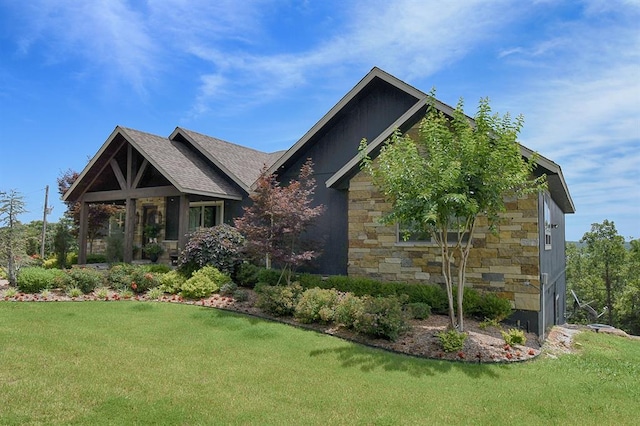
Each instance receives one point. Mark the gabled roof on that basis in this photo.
(557, 184)
(369, 79)
(185, 165)
(243, 165)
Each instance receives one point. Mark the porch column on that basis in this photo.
(183, 221)
(129, 227)
(82, 233)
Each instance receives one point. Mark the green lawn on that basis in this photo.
(154, 363)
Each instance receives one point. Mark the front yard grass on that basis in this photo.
(155, 363)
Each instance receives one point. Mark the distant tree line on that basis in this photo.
(603, 272)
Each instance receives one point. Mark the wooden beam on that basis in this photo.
(116, 170)
(183, 221)
(154, 191)
(129, 166)
(141, 170)
(82, 232)
(129, 228)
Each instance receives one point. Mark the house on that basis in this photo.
(190, 180)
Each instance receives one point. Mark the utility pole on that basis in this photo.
(44, 221)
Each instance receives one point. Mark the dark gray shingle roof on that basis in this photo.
(181, 165)
(242, 164)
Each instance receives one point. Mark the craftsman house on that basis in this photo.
(190, 180)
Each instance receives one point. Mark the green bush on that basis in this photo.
(50, 263)
(349, 308)
(228, 289)
(247, 274)
(155, 293)
(95, 258)
(381, 317)
(316, 305)
(494, 307)
(219, 246)
(279, 300)
(86, 279)
(270, 277)
(514, 337)
(240, 295)
(74, 292)
(157, 268)
(197, 287)
(419, 310)
(452, 340)
(172, 281)
(142, 281)
(203, 282)
(215, 275)
(36, 279)
(119, 276)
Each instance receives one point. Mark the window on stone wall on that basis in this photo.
(172, 218)
(409, 233)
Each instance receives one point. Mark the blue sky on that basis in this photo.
(262, 72)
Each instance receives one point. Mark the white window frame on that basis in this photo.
(546, 212)
(202, 204)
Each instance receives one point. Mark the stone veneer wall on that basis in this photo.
(506, 263)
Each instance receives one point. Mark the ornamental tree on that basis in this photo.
(279, 215)
(12, 205)
(455, 171)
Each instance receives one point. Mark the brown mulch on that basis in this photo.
(483, 345)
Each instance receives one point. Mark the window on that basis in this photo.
(547, 225)
(205, 214)
(408, 233)
(172, 218)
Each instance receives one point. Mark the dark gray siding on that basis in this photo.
(552, 266)
(377, 107)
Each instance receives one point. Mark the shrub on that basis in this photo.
(219, 246)
(203, 282)
(94, 258)
(119, 276)
(316, 305)
(102, 292)
(240, 295)
(494, 307)
(35, 279)
(419, 310)
(349, 308)
(279, 300)
(247, 274)
(155, 293)
(157, 268)
(514, 337)
(215, 275)
(141, 280)
(381, 317)
(452, 340)
(74, 292)
(50, 263)
(172, 281)
(270, 276)
(86, 279)
(197, 287)
(489, 322)
(228, 289)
